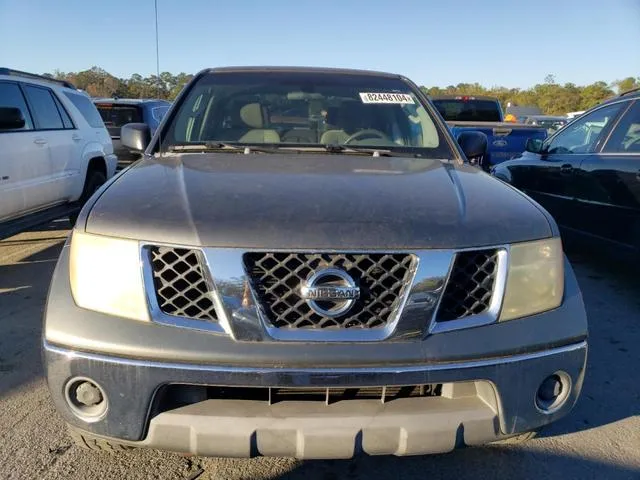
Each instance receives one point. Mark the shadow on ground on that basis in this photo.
(23, 289)
(49, 220)
(611, 392)
(473, 464)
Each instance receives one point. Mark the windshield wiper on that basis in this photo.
(198, 147)
(374, 152)
(270, 148)
(219, 147)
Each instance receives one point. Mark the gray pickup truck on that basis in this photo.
(303, 265)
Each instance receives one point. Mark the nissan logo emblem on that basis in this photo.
(330, 292)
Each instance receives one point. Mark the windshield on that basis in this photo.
(468, 110)
(296, 109)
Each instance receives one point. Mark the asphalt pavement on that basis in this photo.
(600, 439)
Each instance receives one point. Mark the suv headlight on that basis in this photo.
(106, 276)
(535, 280)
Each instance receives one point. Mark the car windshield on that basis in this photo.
(296, 109)
(468, 110)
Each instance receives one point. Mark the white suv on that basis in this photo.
(54, 147)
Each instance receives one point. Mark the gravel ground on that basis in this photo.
(599, 440)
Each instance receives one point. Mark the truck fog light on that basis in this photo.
(553, 392)
(86, 399)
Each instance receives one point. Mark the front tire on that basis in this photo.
(95, 179)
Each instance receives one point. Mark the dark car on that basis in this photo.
(116, 112)
(302, 264)
(552, 123)
(587, 175)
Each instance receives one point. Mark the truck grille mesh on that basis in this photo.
(276, 279)
(172, 396)
(470, 286)
(327, 395)
(180, 285)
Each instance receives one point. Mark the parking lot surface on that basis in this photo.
(599, 440)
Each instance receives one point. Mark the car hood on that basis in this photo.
(321, 201)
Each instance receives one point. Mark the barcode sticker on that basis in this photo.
(393, 98)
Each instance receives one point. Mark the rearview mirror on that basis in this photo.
(473, 144)
(533, 145)
(11, 118)
(135, 136)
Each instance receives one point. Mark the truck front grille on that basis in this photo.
(176, 395)
(276, 279)
(470, 286)
(180, 285)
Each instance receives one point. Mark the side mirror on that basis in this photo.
(534, 145)
(11, 118)
(135, 136)
(473, 144)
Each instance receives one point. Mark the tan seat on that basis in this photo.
(334, 137)
(253, 116)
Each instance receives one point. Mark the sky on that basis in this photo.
(512, 43)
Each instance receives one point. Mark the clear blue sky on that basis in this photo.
(514, 43)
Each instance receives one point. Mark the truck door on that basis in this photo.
(62, 142)
(24, 156)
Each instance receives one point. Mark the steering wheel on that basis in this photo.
(367, 133)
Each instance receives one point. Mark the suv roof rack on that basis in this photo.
(628, 92)
(19, 73)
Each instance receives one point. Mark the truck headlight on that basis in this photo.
(535, 280)
(106, 276)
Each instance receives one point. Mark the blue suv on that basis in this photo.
(116, 112)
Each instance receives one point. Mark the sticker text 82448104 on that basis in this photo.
(397, 98)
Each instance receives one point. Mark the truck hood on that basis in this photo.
(315, 201)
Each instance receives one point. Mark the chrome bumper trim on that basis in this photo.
(131, 384)
(328, 373)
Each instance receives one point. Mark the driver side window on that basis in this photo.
(582, 135)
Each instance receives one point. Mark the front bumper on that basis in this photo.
(489, 374)
(482, 401)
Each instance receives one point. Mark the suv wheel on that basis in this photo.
(90, 442)
(95, 179)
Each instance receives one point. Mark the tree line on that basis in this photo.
(97, 82)
(551, 97)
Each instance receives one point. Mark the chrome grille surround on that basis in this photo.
(276, 279)
(241, 317)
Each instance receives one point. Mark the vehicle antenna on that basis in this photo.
(155, 3)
